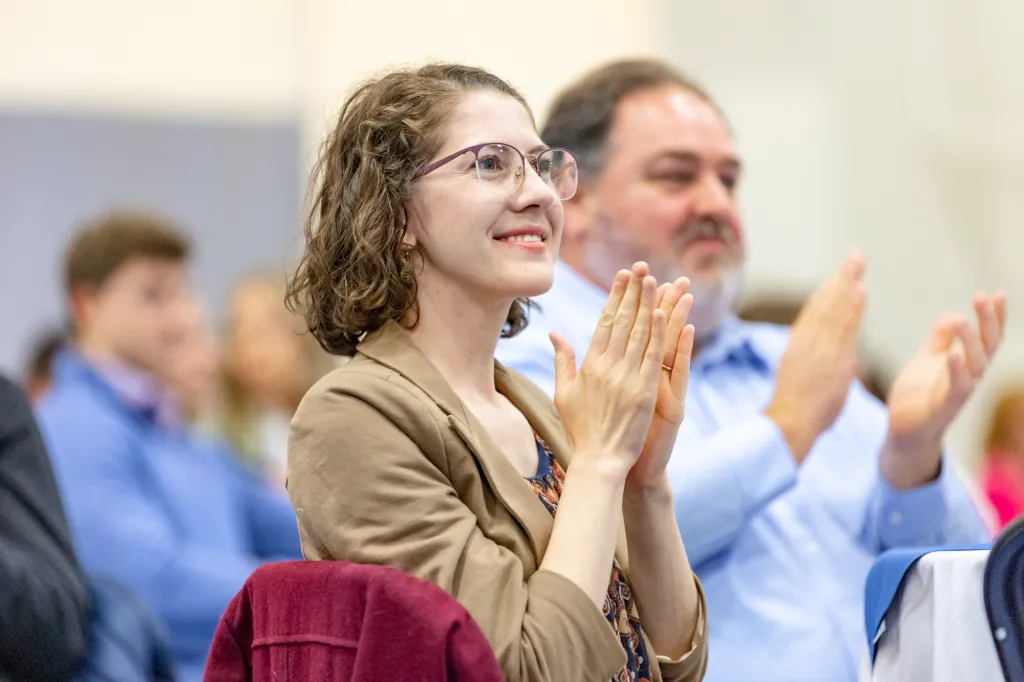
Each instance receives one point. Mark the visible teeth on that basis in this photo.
(523, 238)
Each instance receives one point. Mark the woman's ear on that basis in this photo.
(408, 236)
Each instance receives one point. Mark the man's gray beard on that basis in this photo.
(713, 301)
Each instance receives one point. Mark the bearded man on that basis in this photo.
(788, 477)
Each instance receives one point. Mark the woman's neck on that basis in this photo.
(459, 335)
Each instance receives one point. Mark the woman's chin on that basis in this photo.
(529, 285)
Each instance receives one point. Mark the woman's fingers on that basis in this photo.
(565, 361)
(676, 307)
(641, 333)
(607, 320)
(662, 290)
(625, 316)
(680, 377)
(651, 366)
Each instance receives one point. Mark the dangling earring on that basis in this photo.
(407, 274)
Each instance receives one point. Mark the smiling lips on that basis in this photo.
(529, 238)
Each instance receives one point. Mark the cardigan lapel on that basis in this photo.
(547, 425)
(392, 347)
(540, 415)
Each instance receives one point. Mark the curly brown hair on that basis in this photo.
(355, 274)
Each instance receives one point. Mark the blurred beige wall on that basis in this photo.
(892, 125)
(535, 44)
(887, 124)
(193, 58)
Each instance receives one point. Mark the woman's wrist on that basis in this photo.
(653, 489)
(608, 466)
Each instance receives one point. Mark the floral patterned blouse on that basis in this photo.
(619, 608)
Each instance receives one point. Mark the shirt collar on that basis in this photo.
(137, 390)
(575, 287)
(735, 342)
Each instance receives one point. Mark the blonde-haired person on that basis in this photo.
(269, 363)
(192, 369)
(437, 212)
(1002, 472)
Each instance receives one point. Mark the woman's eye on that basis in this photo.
(489, 163)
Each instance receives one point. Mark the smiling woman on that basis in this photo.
(437, 213)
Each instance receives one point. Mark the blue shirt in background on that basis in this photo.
(782, 551)
(170, 515)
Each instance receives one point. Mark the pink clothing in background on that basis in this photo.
(1003, 481)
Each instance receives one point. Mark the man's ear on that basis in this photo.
(82, 305)
(579, 214)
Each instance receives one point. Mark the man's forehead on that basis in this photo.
(669, 118)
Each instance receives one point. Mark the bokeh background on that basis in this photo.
(891, 125)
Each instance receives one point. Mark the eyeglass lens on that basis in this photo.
(500, 168)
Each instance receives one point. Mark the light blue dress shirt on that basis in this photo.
(169, 515)
(782, 552)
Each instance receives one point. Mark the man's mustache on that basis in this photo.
(705, 227)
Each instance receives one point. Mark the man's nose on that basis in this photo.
(713, 197)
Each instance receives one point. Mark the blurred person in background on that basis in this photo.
(783, 310)
(1002, 473)
(56, 623)
(172, 518)
(44, 595)
(789, 477)
(269, 364)
(193, 368)
(39, 374)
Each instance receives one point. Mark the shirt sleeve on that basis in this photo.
(692, 666)
(940, 512)
(123, 532)
(366, 492)
(270, 519)
(722, 481)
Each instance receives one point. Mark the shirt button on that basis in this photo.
(896, 518)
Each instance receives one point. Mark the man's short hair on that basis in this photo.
(581, 116)
(100, 247)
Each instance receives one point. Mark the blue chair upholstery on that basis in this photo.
(126, 641)
(885, 580)
(1004, 598)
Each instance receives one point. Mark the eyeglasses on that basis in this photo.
(500, 168)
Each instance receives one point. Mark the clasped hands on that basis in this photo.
(623, 407)
(820, 363)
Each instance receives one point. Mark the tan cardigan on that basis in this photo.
(386, 466)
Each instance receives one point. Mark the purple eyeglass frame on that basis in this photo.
(431, 167)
